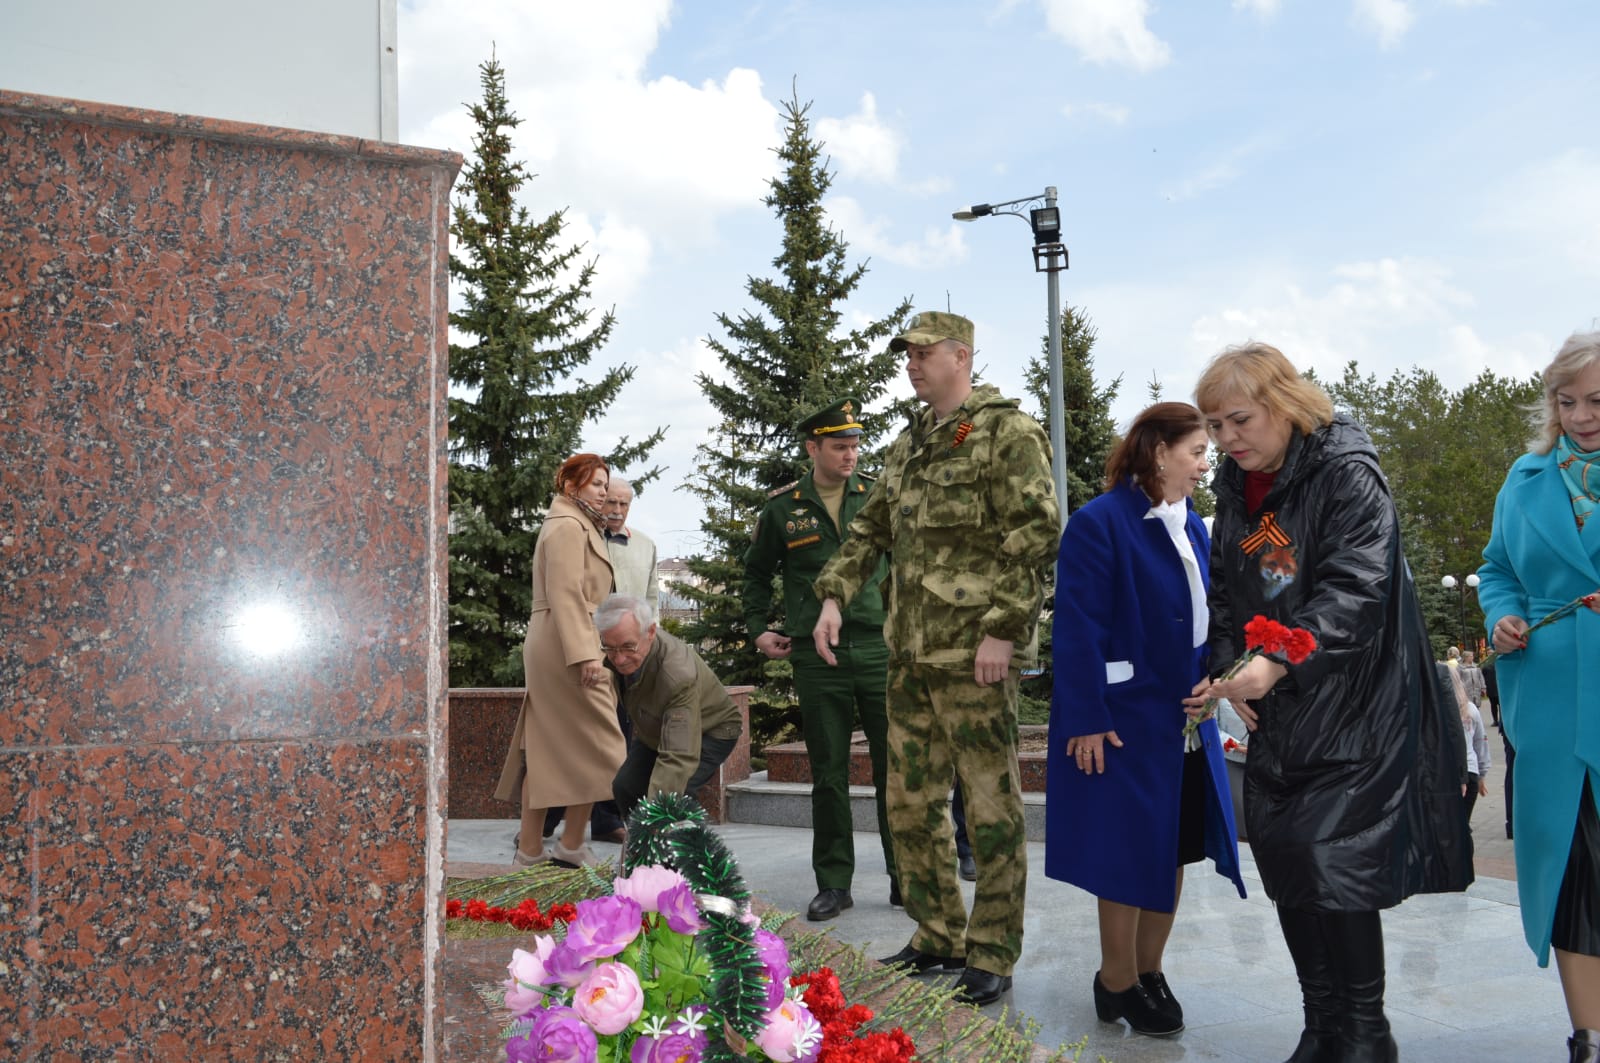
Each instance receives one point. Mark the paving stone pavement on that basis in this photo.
(1462, 984)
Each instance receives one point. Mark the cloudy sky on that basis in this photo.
(1398, 182)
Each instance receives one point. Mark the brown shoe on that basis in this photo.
(616, 837)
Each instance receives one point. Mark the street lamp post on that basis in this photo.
(1049, 258)
(1450, 583)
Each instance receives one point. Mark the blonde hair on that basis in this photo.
(1463, 703)
(1261, 373)
(1576, 355)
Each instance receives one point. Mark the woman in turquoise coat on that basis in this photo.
(1543, 553)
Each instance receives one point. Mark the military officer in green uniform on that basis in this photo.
(798, 530)
(967, 512)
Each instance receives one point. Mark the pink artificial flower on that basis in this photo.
(680, 911)
(610, 999)
(529, 967)
(521, 1000)
(647, 884)
(566, 967)
(790, 1033)
(604, 926)
(558, 1035)
(668, 1048)
(774, 957)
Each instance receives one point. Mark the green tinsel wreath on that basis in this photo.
(670, 830)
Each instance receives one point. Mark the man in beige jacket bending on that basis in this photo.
(684, 723)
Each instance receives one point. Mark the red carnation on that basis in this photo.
(1264, 634)
(1299, 645)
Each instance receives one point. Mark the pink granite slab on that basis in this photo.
(222, 578)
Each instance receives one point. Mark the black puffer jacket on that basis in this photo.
(1353, 781)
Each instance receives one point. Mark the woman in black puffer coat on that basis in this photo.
(1352, 792)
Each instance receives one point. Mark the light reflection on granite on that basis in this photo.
(221, 418)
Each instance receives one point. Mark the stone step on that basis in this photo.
(787, 762)
(759, 799)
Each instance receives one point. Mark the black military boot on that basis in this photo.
(1313, 965)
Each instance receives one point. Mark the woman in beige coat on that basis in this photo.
(568, 746)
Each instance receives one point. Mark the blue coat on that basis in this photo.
(1123, 607)
(1538, 561)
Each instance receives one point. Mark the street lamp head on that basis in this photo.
(1449, 583)
(1472, 580)
(1046, 225)
(977, 210)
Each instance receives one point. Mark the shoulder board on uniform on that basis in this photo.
(776, 491)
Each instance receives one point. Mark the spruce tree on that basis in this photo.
(784, 359)
(516, 410)
(1089, 433)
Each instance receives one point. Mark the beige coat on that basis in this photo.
(567, 740)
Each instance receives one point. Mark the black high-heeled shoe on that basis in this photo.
(1584, 1046)
(1135, 1006)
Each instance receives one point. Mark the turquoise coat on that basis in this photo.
(1537, 561)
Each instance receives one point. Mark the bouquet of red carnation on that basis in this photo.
(1261, 635)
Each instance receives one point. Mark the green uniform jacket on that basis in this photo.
(795, 531)
(673, 699)
(967, 511)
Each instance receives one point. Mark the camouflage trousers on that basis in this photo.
(942, 724)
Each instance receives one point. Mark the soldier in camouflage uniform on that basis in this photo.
(967, 512)
(798, 530)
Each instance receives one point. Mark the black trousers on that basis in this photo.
(633, 778)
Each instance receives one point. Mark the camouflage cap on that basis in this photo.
(842, 418)
(931, 326)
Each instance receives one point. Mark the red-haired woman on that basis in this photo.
(567, 745)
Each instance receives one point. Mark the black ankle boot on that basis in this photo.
(1584, 1046)
(1135, 1005)
(1313, 965)
(1356, 945)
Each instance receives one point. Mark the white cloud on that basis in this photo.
(1219, 172)
(1549, 207)
(1114, 113)
(660, 153)
(1214, 176)
(1385, 313)
(1263, 8)
(1108, 32)
(668, 377)
(861, 146)
(622, 253)
(869, 236)
(1389, 19)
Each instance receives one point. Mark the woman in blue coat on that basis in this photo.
(1544, 552)
(1130, 636)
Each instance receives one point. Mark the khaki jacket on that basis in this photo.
(673, 699)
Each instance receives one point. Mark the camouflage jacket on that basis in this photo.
(966, 510)
(795, 533)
